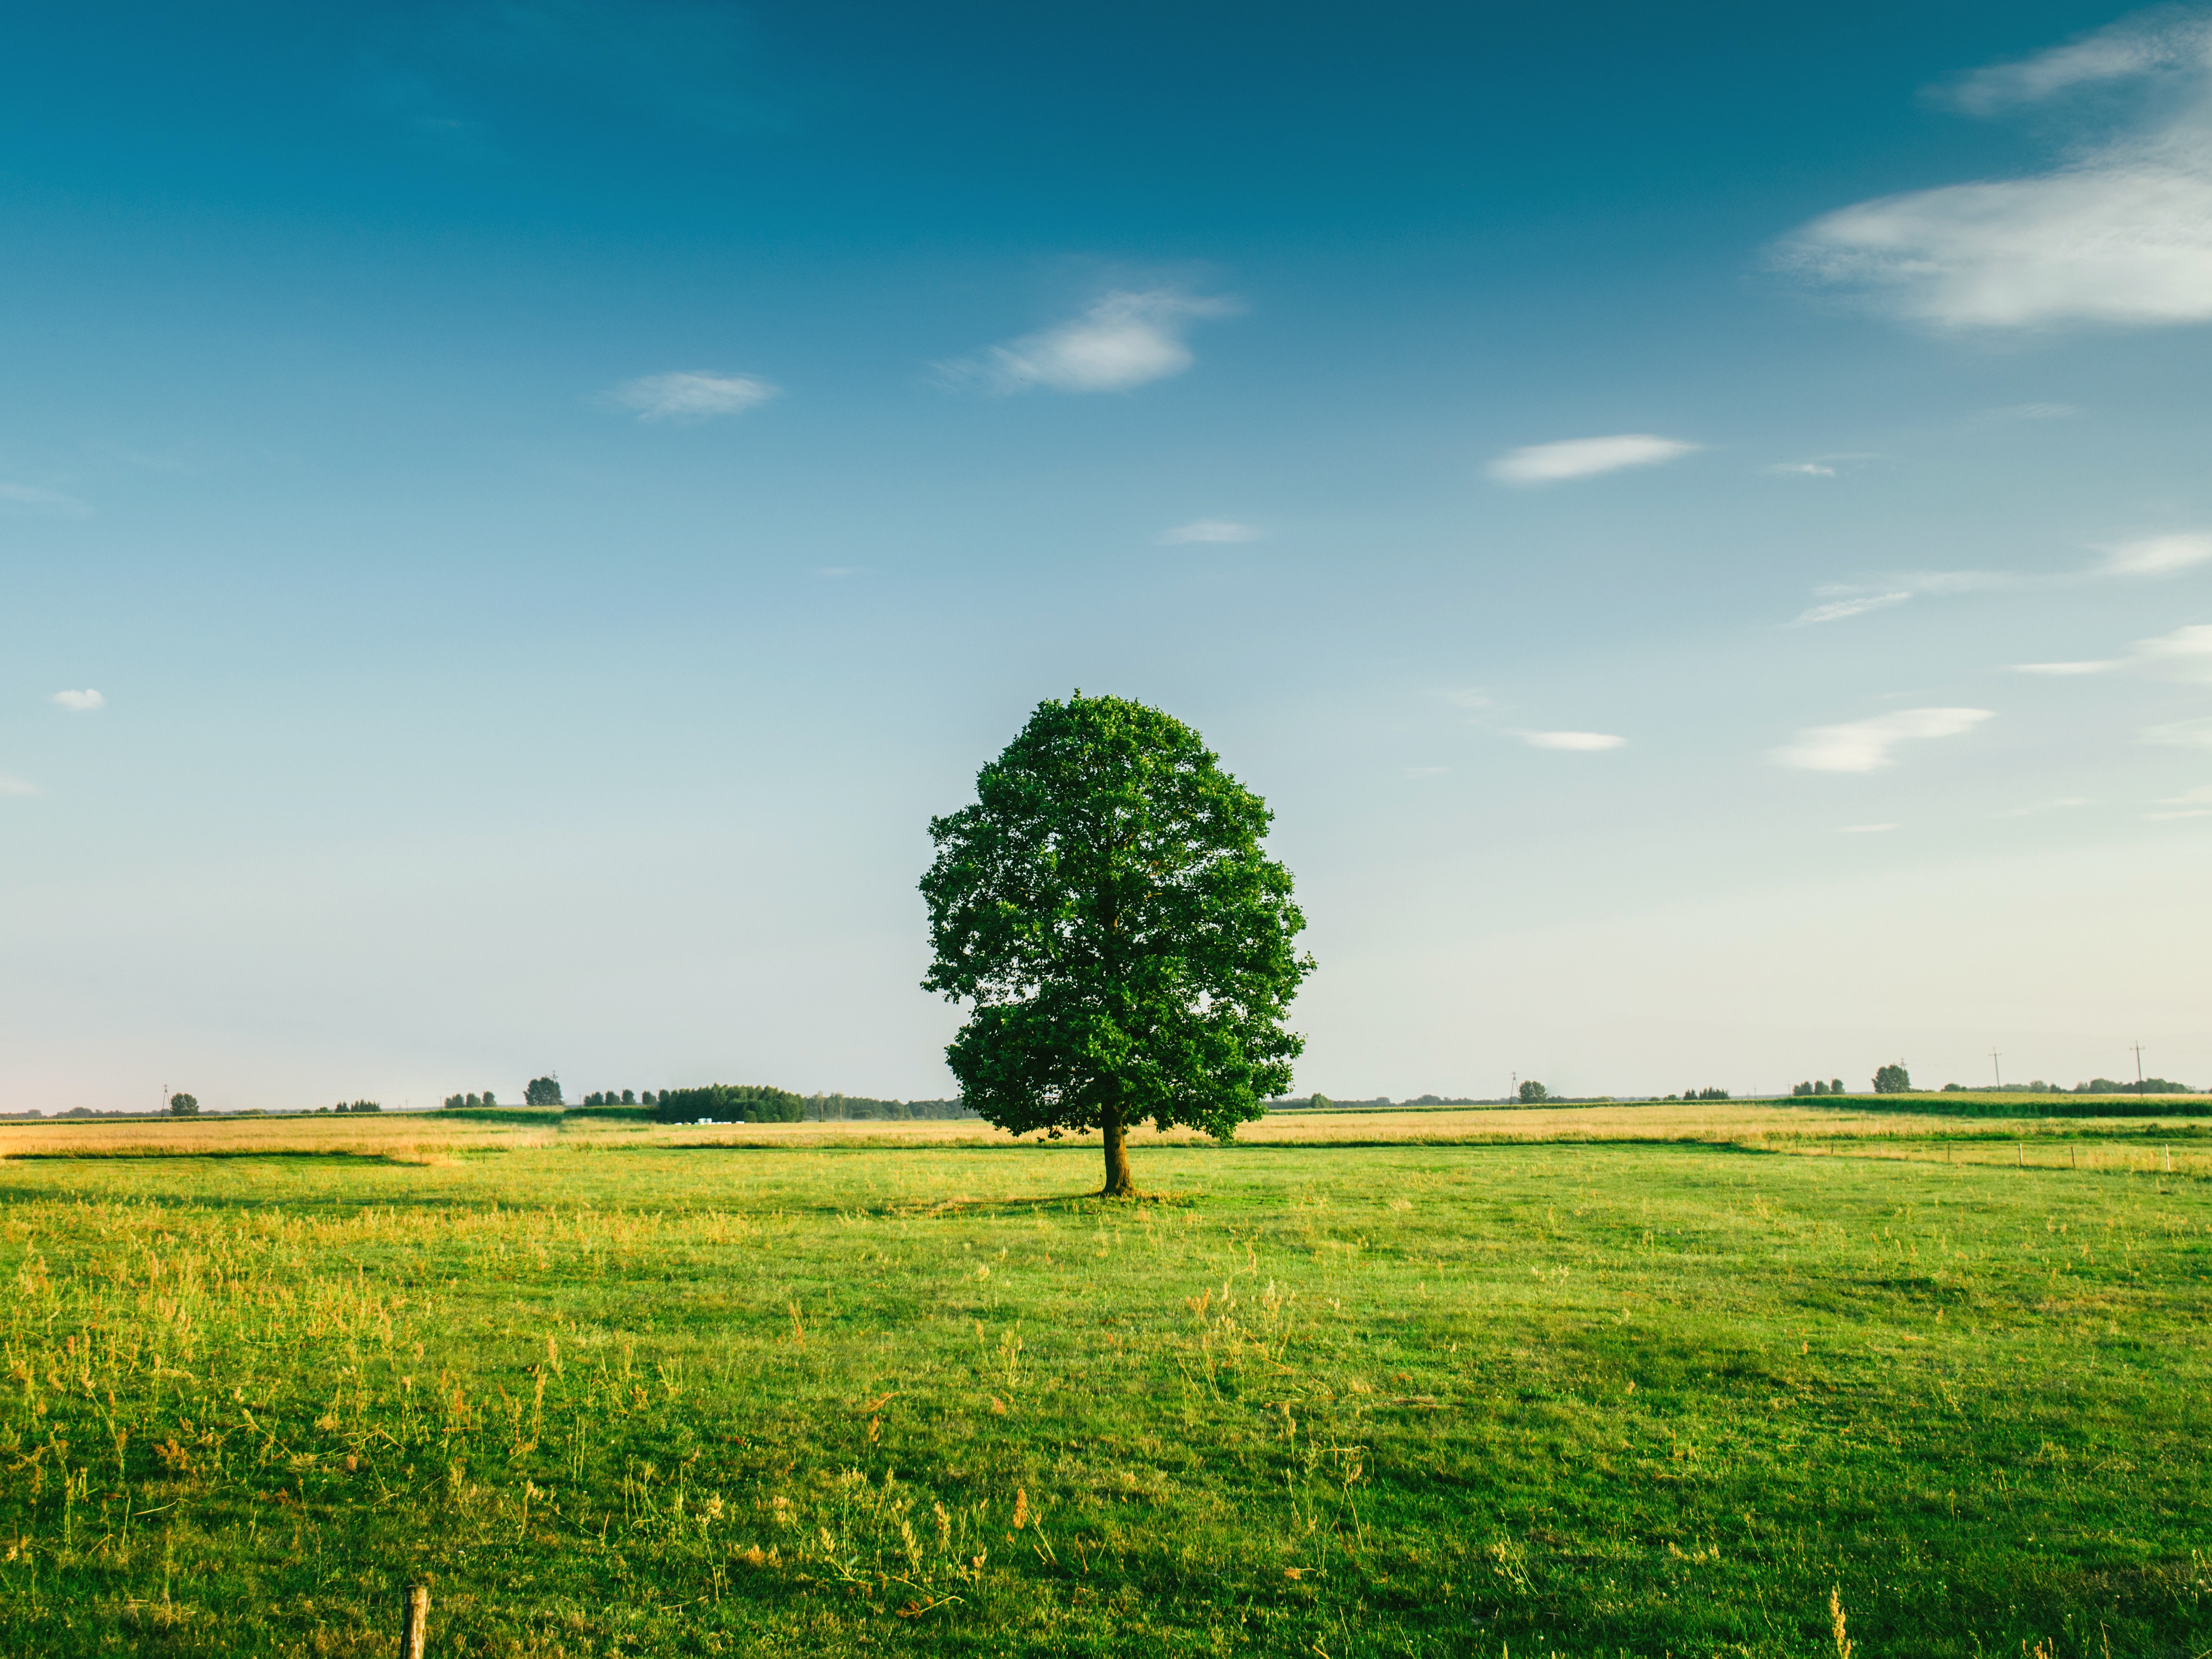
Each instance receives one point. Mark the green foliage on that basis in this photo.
(1532, 1091)
(542, 1091)
(728, 1103)
(1582, 1400)
(1891, 1079)
(1703, 1094)
(356, 1106)
(182, 1105)
(1126, 945)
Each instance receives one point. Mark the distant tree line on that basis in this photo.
(2101, 1085)
(749, 1102)
(1833, 1086)
(1700, 1094)
(352, 1106)
(487, 1098)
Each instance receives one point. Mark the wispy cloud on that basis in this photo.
(1858, 605)
(1585, 742)
(79, 702)
(1866, 828)
(2156, 556)
(1585, 458)
(1126, 339)
(1211, 529)
(30, 498)
(10, 785)
(2189, 804)
(1468, 696)
(2122, 233)
(2145, 558)
(2184, 654)
(2041, 807)
(1865, 745)
(2180, 734)
(692, 394)
(1801, 470)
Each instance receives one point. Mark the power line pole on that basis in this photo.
(1995, 1070)
(2139, 1076)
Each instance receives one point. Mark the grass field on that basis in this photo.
(1604, 1381)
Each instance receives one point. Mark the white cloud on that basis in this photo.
(1801, 469)
(2156, 556)
(1468, 696)
(2148, 557)
(1211, 529)
(1836, 610)
(2133, 47)
(1127, 339)
(2184, 654)
(2200, 796)
(692, 394)
(2187, 812)
(2181, 734)
(30, 498)
(79, 702)
(1585, 458)
(1866, 828)
(1578, 742)
(15, 786)
(2041, 807)
(1864, 745)
(2122, 233)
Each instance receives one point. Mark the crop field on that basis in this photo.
(1741, 1378)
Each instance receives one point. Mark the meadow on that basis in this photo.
(1685, 1379)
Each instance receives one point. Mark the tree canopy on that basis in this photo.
(1891, 1079)
(1125, 943)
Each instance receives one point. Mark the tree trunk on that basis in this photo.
(1119, 1183)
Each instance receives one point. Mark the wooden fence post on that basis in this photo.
(415, 1634)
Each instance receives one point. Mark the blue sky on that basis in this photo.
(513, 516)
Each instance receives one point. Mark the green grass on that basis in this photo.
(1566, 1399)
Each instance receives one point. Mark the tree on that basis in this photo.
(1891, 1079)
(1126, 945)
(182, 1105)
(542, 1091)
(1835, 1086)
(1533, 1091)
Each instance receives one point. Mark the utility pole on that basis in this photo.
(1513, 1088)
(1994, 1069)
(2139, 1076)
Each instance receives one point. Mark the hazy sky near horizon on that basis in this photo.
(514, 515)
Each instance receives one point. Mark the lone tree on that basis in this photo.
(185, 1105)
(1106, 907)
(542, 1091)
(1891, 1079)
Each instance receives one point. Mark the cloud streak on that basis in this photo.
(2184, 654)
(86, 702)
(2147, 558)
(1865, 745)
(1123, 340)
(1579, 742)
(687, 396)
(1211, 529)
(1585, 458)
(10, 785)
(30, 498)
(2120, 234)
